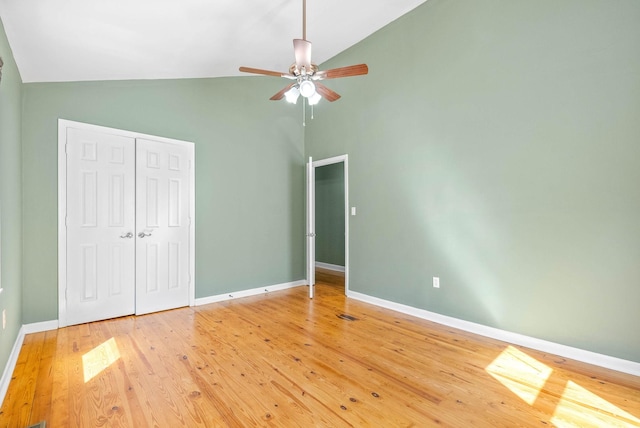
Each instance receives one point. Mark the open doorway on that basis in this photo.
(328, 222)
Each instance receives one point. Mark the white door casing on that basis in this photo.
(100, 225)
(68, 257)
(163, 221)
(311, 228)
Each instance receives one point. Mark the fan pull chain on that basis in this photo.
(311, 112)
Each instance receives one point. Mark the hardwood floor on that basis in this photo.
(283, 360)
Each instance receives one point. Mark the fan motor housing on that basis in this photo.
(297, 72)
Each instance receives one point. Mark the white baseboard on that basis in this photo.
(11, 365)
(606, 361)
(247, 293)
(329, 266)
(15, 352)
(39, 327)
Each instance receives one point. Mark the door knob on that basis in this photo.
(127, 235)
(143, 234)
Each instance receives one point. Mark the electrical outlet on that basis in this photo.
(436, 282)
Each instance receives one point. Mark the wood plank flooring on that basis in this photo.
(283, 360)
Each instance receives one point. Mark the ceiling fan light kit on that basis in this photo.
(306, 75)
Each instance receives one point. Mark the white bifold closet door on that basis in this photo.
(128, 225)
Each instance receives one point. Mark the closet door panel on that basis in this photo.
(162, 206)
(100, 225)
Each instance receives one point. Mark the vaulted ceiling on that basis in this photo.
(81, 40)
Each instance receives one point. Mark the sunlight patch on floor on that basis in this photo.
(577, 406)
(523, 375)
(580, 407)
(99, 358)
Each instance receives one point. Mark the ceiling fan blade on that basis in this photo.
(266, 72)
(334, 73)
(326, 93)
(302, 52)
(280, 94)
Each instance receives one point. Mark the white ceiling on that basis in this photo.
(76, 40)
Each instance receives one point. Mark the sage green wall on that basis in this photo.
(496, 144)
(249, 175)
(10, 201)
(330, 214)
(493, 144)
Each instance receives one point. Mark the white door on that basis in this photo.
(100, 226)
(163, 225)
(311, 227)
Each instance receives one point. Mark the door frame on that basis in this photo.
(311, 227)
(63, 125)
(330, 161)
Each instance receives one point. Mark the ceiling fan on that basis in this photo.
(305, 75)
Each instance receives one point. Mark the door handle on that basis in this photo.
(127, 235)
(143, 234)
(311, 235)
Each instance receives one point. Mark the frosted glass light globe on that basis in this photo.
(292, 95)
(307, 88)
